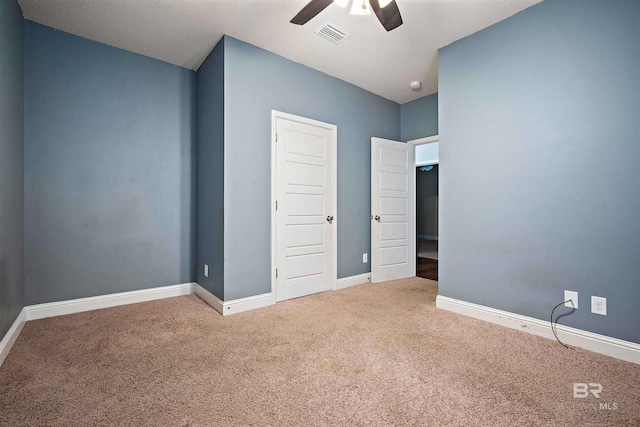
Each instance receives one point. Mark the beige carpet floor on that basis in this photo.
(368, 355)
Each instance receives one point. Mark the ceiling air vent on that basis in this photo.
(332, 33)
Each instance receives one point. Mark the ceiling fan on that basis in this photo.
(386, 10)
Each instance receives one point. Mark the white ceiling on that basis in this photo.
(183, 32)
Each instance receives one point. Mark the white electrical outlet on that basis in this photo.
(365, 258)
(599, 305)
(573, 296)
(206, 270)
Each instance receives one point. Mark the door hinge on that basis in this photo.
(276, 205)
(276, 273)
(276, 137)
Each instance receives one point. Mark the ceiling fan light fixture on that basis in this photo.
(389, 17)
(360, 7)
(343, 3)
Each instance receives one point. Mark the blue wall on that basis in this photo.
(257, 81)
(109, 153)
(419, 118)
(11, 164)
(540, 181)
(210, 172)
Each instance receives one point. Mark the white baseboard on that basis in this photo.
(12, 335)
(359, 279)
(206, 296)
(258, 301)
(59, 308)
(614, 347)
(234, 306)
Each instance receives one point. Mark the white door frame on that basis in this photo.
(274, 192)
(415, 143)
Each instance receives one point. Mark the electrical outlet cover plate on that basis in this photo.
(599, 305)
(571, 295)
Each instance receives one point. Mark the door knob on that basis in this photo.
(377, 218)
(330, 219)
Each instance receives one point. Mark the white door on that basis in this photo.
(393, 237)
(305, 212)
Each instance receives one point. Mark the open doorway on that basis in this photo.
(427, 168)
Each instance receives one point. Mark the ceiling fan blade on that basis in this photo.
(389, 16)
(313, 8)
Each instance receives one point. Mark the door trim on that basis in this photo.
(425, 140)
(275, 114)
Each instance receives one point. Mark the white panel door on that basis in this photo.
(393, 239)
(304, 215)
